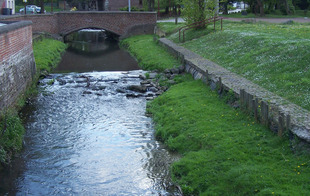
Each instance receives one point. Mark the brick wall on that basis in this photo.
(17, 66)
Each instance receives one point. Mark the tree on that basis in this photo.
(197, 10)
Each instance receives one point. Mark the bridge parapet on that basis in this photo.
(123, 24)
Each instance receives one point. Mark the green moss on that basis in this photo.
(225, 152)
(148, 53)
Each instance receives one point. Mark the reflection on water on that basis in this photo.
(92, 50)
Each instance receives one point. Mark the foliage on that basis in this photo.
(11, 136)
(225, 152)
(151, 5)
(133, 8)
(197, 10)
(47, 53)
(149, 55)
(275, 57)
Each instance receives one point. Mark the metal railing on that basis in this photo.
(200, 23)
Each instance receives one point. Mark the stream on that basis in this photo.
(84, 136)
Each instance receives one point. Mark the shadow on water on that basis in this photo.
(84, 136)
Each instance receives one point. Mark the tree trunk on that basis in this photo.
(225, 8)
(287, 8)
(261, 7)
(42, 6)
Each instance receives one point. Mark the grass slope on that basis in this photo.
(225, 151)
(275, 57)
(149, 55)
(47, 53)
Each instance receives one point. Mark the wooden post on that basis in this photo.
(250, 102)
(246, 97)
(214, 23)
(288, 127)
(281, 124)
(265, 109)
(221, 24)
(241, 97)
(221, 85)
(255, 108)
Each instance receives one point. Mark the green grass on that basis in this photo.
(149, 55)
(169, 27)
(273, 56)
(225, 152)
(47, 53)
(11, 136)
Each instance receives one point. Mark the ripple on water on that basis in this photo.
(94, 143)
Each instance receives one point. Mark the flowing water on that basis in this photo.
(86, 137)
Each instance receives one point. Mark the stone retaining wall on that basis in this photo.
(17, 65)
(270, 109)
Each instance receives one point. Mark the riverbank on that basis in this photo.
(47, 53)
(224, 151)
(274, 56)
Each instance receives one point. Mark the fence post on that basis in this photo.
(241, 97)
(214, 23)
(221, 24)
(255, 105)
(281, 124)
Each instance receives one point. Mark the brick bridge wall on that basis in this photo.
(123, 24)
(17, 65)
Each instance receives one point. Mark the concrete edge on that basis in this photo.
(214, 74)
(13, 25)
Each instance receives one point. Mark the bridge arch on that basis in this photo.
(65, 34)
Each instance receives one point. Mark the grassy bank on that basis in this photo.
(275, 57)
(47, 55)
(149, 55)
(224, 152)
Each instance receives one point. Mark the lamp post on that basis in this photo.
(25, 1)
(129, 8)
(157, 8)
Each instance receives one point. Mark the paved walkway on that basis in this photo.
(271, 20)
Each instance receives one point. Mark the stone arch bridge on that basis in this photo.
(123, 24)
